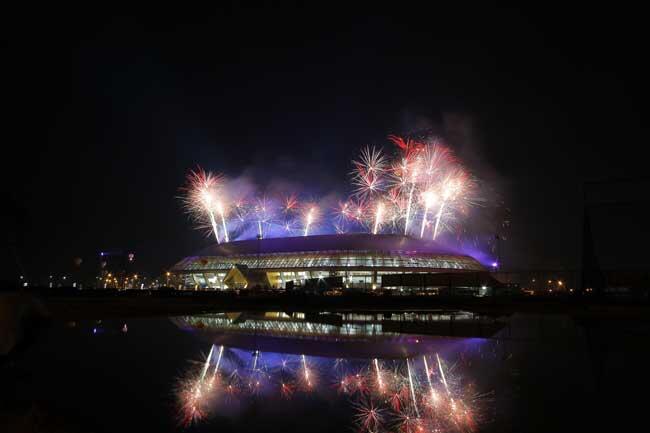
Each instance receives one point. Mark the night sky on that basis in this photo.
(109, 109)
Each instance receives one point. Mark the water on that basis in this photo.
(325, 372)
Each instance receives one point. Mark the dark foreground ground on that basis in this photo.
(570, 364)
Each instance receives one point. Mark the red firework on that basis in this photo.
(408, 147)
(291, 203)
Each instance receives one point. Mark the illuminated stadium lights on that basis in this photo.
(358, 260)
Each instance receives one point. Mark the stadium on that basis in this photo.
(339, 335)
(345, 261)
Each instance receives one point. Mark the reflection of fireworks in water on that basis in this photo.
(306, 373)
(193, 393)
(369, 417)
(407, 423)
(191, 408)
(286, 390)
(412, 388)
(383, 399)
(380, 380)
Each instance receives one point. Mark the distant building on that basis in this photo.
(117, 269)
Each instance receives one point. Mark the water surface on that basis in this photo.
(326, 372)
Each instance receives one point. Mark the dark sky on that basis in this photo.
(109, 108)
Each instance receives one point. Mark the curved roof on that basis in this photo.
(360, 251)
(317, 243)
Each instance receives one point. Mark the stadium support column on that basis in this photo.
(374, 280)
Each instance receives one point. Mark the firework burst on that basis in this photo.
(419, 189)
(201, 199)
(368, 176)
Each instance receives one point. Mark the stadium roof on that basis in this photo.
(340, 242)
(333, 252)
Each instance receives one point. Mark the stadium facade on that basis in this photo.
(346, 260)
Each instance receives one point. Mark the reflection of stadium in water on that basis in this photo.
(387, 335)
(420, 386)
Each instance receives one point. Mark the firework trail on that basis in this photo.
(309, 219)
(378, 214)
(223, 220)
(407, 219)
(429, 198)
(450, 189)
(261, 215)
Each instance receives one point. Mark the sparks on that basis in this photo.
(378, 214)
(309, 219)
(199, 197)
(420, 188)
(429, 198)
(306, 371)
